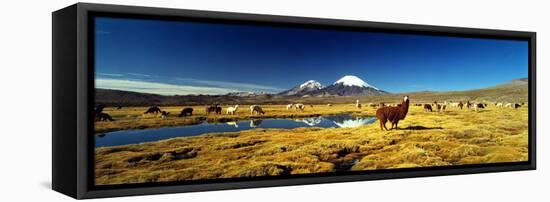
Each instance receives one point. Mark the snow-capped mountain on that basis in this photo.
(350, 80)
(345, 86)
(311, 84)
(351, 85)
(303, 89)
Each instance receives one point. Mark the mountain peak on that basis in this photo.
(311, 84)
(308, 86)
(351, 80)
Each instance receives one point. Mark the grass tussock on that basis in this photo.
(424, 139)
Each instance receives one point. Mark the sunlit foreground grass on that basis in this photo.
(425, 139)
(133, 117)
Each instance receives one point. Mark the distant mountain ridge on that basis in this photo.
(512, 91)
(246, 94)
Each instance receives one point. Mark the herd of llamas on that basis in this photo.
(392, 113)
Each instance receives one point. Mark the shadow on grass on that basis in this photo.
(419, 128)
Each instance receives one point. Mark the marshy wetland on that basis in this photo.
(423, 139)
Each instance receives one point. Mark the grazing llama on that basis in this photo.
(256, 109)
(153, 110)
(164, 114)
(186, 112)
(101, 116)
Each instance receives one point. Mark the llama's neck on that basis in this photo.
(404, 109)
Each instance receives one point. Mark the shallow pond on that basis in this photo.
(147, 135)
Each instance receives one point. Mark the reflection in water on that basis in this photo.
(313, 121)
(341, 121)
(233, 123)
(154, 134)
(348, 121)
(255, 123)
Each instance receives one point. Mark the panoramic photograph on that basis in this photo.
(182, 101)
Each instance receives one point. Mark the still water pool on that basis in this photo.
(138, 136)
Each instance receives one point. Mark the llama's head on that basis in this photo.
(406, 98)
(236, 106)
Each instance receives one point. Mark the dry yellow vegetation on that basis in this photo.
(424, 139)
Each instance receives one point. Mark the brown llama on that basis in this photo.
(392, 114)
(164, 114)
(210, 109)
(428, 108)
(214, 108)
(469, 104)
(103, 117)
(186, 112)
(218, 109)
(153, 110)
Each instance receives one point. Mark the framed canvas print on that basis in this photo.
(154, 100)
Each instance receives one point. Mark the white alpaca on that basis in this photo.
(232, 110)
(329, 105)
(454, 104)
(289, 106)
(508, 105)
(357, 104)
(443, 106)
(499, 105)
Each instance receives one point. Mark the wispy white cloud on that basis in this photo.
(110, 74)
(140, 75)
(232, 85)
(157, 88)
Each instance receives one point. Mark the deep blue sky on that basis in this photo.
(170, 57)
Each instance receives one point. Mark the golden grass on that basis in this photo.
(425, 139)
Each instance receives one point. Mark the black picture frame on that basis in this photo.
(73, 93)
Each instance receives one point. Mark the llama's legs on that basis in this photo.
(396, 122)
(385, 126)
